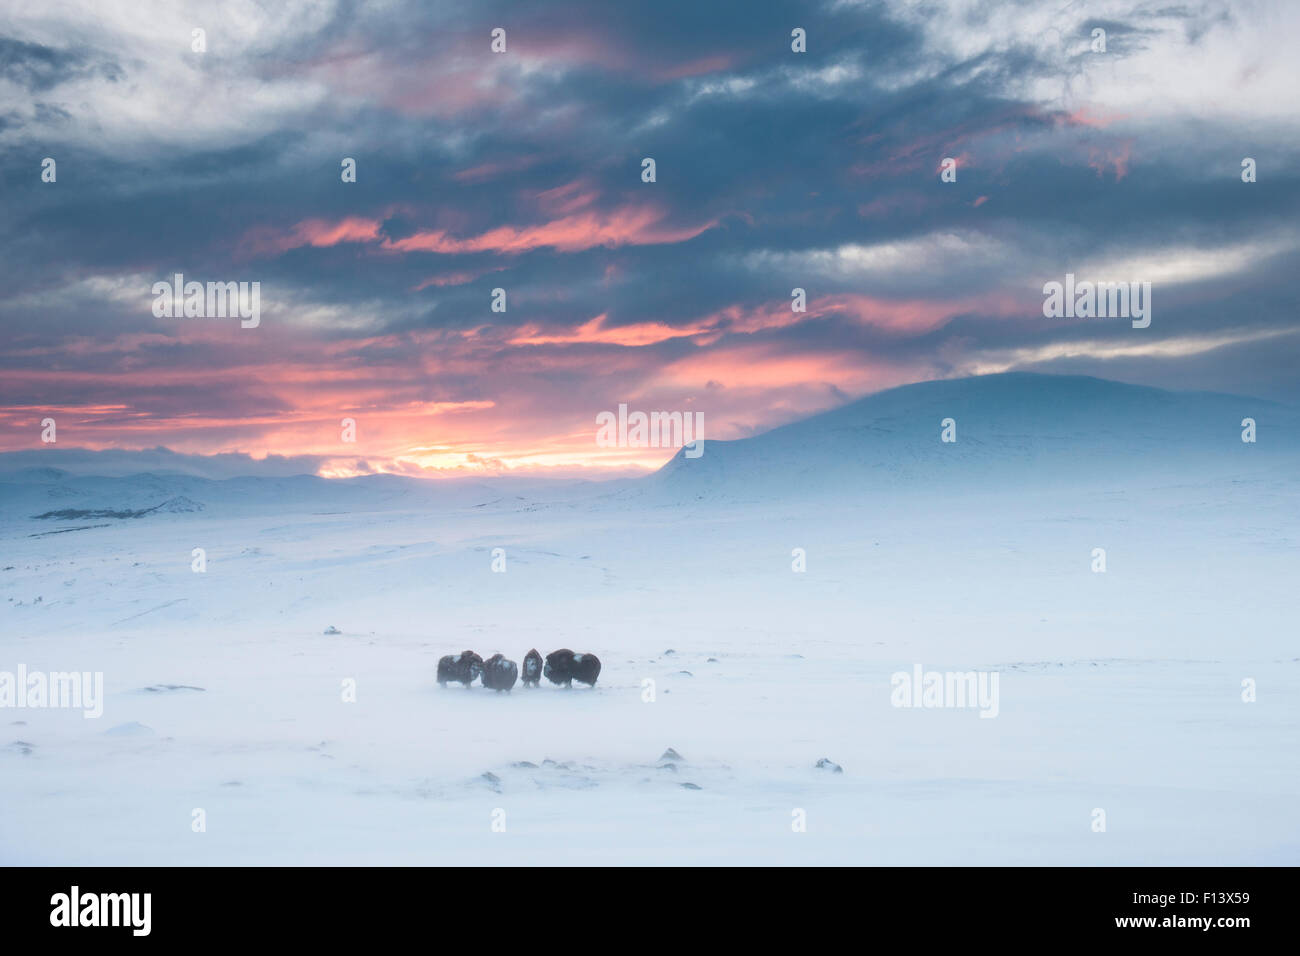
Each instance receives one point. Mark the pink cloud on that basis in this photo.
(634, 225)
(899, 316)
(1116, 157)
(453, 278)
(627, 225)
(318, 233)
(485, 171)
(566, 199)
(961, 160)
(595, 331)
(1087, 116)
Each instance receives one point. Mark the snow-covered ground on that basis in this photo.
(1119, 691)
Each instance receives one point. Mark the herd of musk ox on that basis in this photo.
(561, 667)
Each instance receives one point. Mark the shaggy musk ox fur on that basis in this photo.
(462, 668)
(564, 667)
(532, 668)
(499, 674)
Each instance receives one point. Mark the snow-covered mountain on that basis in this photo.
(1015, 430)
(1011, 430)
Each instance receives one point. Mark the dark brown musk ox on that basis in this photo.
(499, 674)
(532, 668)
(564, 667)
(460, 668)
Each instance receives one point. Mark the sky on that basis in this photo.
(522, 170)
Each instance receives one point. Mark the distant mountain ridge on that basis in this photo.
(53, 495)
(1014, 428)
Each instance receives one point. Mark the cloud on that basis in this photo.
(628, 225)
(521, 171)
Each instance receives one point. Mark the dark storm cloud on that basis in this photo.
(38, 68)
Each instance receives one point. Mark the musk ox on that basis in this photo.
(564, 667)
(499, 674)
(532, 668)
(462, 668)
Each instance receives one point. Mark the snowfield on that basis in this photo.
(1120, 691)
